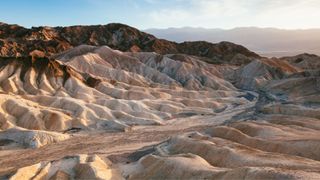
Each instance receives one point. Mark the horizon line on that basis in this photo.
(167, 28)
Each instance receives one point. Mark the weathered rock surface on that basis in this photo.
(245, 150)
(97, 88)
(22, 138)
(304, 61)
(16, 41)
(257, 73)
(70, 167)
(153, 115)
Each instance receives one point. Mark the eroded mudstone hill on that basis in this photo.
(94, 112)
(147, 115)
(97, 88)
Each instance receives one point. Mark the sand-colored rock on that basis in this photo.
(188, 166)
(18, 137)
(97, 88)
(71, 167)
(245, 150)
(260, 71)
(156, 116)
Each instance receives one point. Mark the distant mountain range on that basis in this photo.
(265, 41)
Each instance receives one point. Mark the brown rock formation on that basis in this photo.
(16, 41)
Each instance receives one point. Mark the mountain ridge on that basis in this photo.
(16, 40)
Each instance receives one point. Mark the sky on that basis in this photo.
(144, 14)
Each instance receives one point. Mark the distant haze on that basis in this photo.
(264, 41)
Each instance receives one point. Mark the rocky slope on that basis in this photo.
(177, 117)
(304, 61)
(19, 41)
(97, 88)
(92, 112)
(80, 166)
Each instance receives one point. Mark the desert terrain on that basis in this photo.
(112, 102)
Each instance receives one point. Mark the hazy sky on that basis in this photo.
(289, 14)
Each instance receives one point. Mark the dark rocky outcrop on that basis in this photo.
(19, 41)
